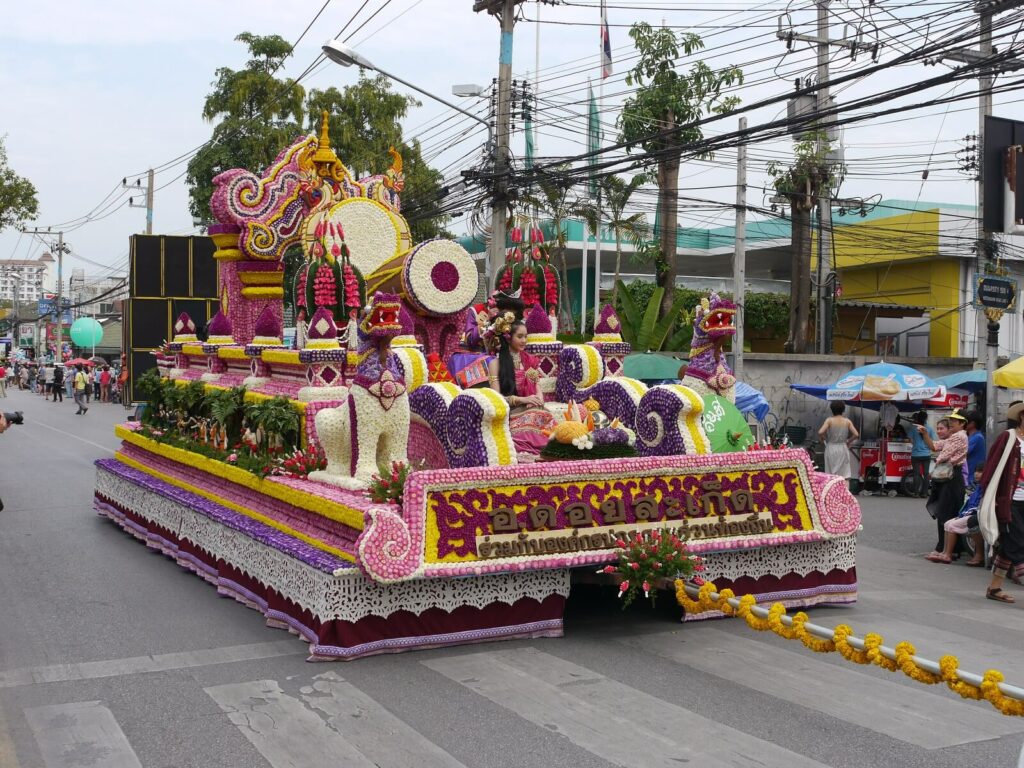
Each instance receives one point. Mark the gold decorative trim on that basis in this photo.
(261, 292)
(261, 278)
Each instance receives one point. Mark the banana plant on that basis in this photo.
(641, 326)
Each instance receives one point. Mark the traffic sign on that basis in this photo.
(996, 292)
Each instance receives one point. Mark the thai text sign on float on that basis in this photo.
(557, 515)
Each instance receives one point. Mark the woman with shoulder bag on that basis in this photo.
(947, 494)
(1001, 513)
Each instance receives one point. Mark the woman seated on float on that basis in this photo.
(514, 374)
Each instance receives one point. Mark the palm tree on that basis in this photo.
(552, 198)
(274, 421)
(225, 408)
(615, 194)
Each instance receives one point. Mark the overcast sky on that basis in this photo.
(94, 92)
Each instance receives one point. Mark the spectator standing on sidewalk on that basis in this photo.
(947, 496)
(46, 380)
(975, 444)
(105, 384)
(81, 383)
(3, 380)
(920, 454)
(58, 383)
(1008, 504)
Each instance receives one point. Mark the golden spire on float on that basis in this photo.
(324, 159)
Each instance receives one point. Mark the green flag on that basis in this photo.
(593, 138)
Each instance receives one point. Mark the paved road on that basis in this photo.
(114, 657)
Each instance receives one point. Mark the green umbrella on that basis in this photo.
(725, 426)
(651, 365)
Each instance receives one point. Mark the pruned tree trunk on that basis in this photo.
(800, 279)
(618, 266)
(668, 195)
(566, 324)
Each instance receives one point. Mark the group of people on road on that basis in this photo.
(969, 491)
(974, 492)
(103, 383)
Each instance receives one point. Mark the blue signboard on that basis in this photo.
(48, 304)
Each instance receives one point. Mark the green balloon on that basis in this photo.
(86, 332)
(725, 426)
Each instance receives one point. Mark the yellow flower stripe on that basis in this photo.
(263, 292)
(308, 501)
(279, 356)
(692, 419)
(232, 353)
(498, 429)
(192, 349)
(871, 653)
(231, 505)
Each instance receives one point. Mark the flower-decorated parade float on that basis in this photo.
(353, 491)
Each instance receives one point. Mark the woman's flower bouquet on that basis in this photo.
(647, 556)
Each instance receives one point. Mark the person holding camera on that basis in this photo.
(920, 453)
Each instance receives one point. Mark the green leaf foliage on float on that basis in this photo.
(274, 420)
(226, 408)
(556, 451)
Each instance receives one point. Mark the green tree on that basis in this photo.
(660, 118)
(552, 197)
(615, 194)
(256, 115)
(801, 183)
(365, 123)
(18, 201)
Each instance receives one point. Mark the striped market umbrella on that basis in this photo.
(885, 381)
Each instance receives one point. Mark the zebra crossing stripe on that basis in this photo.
(81, 733)
(611, 720)
(330, 718)
(925, 718)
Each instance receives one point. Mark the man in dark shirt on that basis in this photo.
(975, 444)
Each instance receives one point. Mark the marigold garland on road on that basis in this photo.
(871, 653)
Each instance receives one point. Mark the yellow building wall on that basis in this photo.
(895, 260)
(934, 284)
(907, 237)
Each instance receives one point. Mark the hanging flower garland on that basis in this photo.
(871, 653)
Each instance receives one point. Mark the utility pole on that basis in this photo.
(821, 189)
(739, 264)
(505, 11)
(824, 188)
(61, 249)
(148, 204)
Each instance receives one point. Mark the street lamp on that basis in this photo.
(339, 53)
